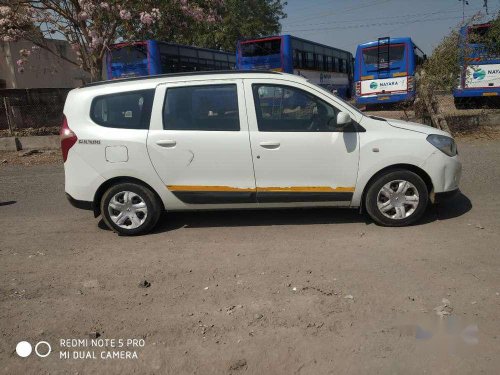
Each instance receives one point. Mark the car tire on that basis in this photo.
(397, 198)
(130, 209)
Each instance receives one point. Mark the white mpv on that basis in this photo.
(134, 148)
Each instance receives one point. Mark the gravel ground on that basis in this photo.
(319, 291)
(27, 158)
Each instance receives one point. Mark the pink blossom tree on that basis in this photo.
(91, 26)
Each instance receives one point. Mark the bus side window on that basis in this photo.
(309, 60)
(318, 61)
(298, 59)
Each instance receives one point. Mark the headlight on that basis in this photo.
(443, 143)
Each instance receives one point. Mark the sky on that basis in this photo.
(346, 23)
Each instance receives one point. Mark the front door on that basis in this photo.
(300, 154)
(198, 143)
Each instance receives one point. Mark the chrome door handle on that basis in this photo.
(166, 143)
(270, 145)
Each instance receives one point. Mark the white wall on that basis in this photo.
(43, 69)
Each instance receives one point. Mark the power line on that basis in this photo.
(375, 24)
(380, 18)
(345, 10)
(394, 29)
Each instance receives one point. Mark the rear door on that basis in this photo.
(198, 143)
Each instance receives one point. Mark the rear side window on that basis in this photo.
(207, 108)
(127, 110)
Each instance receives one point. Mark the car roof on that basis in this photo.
(154, 80)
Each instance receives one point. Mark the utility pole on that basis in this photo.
(464, 3)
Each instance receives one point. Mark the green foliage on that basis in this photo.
(442, 68)
(493, 41)
(239, 19)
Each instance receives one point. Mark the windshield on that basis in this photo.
(478, 34)
(129, 54)
(354, 109)
(261, 48)
(371, 55)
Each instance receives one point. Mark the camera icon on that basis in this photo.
(42, 349)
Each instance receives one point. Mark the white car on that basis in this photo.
(134, 148)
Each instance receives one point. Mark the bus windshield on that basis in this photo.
(261, 48)
(129, 61)
(371, 55)
(478, 45)
(129, 54)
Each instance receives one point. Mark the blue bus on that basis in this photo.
(479, 81)
(329, 67)
(385, 71)
(150, 57)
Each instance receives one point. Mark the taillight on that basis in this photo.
(68, 138)
(411, 83)
(358, 88)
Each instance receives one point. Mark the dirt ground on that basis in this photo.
(319, 291)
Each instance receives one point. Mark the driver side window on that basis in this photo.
(288, 109)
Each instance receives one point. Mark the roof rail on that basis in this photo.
(183, 74)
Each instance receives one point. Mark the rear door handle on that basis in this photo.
(270, 145)
(166, 143)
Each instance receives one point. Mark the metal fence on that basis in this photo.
(32, 108)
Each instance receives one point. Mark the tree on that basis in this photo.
(239, 19)
(91, 26)
(443, 68)
(493, 37)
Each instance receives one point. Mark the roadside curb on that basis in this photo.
(43, 142)
(9, 144)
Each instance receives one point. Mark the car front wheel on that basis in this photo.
(130, 209)
(397, 198)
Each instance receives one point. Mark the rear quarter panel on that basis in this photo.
(87, 167)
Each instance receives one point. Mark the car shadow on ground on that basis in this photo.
(7, 203)
(169, 221)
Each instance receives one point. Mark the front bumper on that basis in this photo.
(444, 171)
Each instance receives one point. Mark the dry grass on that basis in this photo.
(52, 130)
(17, 158)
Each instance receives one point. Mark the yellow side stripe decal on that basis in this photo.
(297, 189)
(307, 189)
(205, 188)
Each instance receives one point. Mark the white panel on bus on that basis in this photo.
(376, 86)
(483, 76)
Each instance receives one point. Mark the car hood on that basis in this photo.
(413, 126)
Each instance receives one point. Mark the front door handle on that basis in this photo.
(166, 143)
(270, 145)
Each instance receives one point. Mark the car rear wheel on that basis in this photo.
(130, 209)
(397, 198)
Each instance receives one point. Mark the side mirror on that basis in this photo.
(343, 119)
